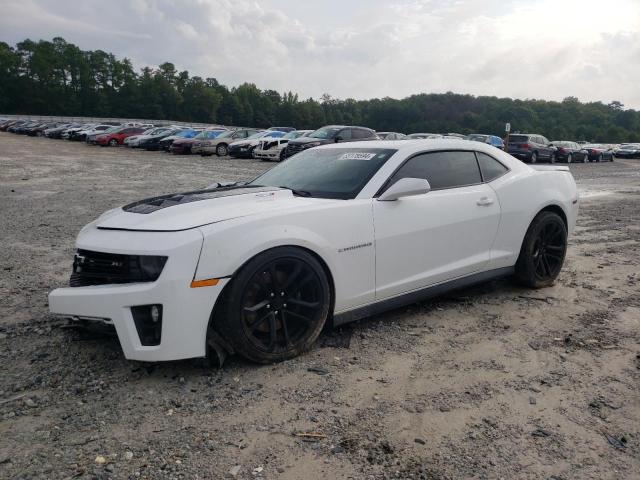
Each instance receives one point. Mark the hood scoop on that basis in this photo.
(154, 204)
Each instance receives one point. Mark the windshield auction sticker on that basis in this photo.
(357, 156)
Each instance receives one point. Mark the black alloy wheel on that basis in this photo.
(276, 306)
(543, 251)
(552, 158)
(548, 251)
(534, 157)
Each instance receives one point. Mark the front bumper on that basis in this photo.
(270, 154)
(241, 152)
(185, 310)
(180, 149)
(521, 154)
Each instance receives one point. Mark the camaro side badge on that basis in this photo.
(354, 247)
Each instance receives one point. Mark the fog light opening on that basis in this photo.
(148, 322)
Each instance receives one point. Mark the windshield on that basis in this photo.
(185, 133)
(478, 138)
(258, 135)
(325, 132)
(227, 134)
(208, 134)
(275, 134)
(327, 173)
(291, 135)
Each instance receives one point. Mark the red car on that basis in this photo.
(182, 146)
(117, 138)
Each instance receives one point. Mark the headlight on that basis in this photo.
(312, 144)
(151, 266)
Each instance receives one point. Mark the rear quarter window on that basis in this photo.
(490, 167)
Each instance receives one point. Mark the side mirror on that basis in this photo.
(405, 187)
(338, 139)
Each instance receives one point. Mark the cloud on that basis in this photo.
(364, 48)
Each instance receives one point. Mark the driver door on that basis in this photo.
(427, 239)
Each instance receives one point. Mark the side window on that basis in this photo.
(442, 169)
(344, 134)
(360, 133)
(490, 167)
(544, 141)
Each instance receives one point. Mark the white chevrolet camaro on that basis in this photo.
(333, 234)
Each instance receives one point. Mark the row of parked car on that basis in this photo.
(279, 143)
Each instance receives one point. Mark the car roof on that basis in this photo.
(418, 145)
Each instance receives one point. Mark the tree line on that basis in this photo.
(58, 78)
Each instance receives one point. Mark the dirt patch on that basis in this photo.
(489, 382)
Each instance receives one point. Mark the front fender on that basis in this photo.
(223, 253)
(340, 234)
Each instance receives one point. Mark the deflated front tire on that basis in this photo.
(276, 305)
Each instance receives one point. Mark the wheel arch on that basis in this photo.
(552, 207)
(217, 306)
(555, 208)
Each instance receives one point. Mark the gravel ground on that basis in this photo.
(489, 382)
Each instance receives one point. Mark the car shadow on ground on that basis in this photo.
(104, 342)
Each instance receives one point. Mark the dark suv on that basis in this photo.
(531, 148)
(329, 134)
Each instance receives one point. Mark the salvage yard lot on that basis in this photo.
(489, 382)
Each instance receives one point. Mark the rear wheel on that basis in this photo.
(222, 150)
(276, 305)
(281, 155)
(569, 158)
(552, 158)
(534, 157)
(600, 158)
(113, 142)
(585, 159)
(543, 251)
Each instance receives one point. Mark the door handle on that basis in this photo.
(485, 202)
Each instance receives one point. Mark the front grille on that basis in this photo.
(292, 149)
(98, 268)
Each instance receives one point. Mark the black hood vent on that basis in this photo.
(150, 205)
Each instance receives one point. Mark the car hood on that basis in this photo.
(160, 136)
(182, 141)
(177, 212)
(305, 140)
(171, 137)
(253, 141)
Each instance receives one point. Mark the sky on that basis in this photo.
(545, 49)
